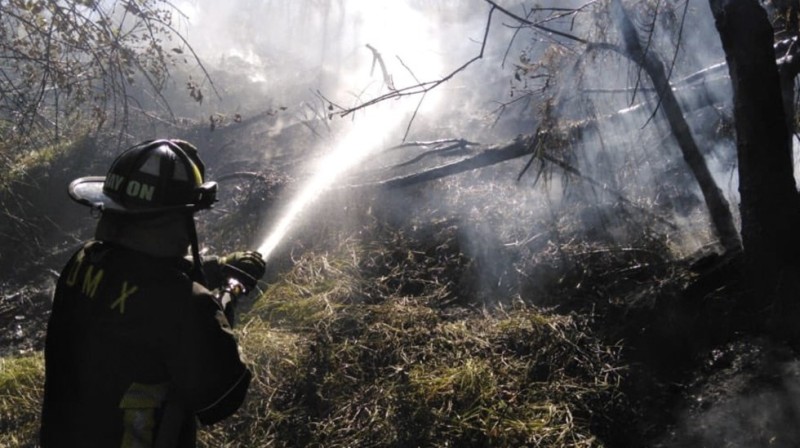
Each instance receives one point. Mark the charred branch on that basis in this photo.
(521, 146)
(440, 150)
(541, 27)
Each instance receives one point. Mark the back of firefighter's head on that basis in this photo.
(148, 196)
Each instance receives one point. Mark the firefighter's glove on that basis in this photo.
(247, 267)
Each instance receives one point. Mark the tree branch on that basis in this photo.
(419, 88)
(538, 26)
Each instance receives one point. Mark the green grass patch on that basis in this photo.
(21, 389)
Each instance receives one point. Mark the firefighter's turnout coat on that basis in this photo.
(136, 353)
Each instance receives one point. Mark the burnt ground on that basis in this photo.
(707, 370)
(701, 369)
(698, 375)
(23, 316)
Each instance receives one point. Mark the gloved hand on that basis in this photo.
(247, 267)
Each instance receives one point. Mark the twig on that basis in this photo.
(426, 154)
(419, 88)
(457, 141)
(536, 25)
(671, 65)
(414, 115)
(513, 37)
(419, 104)
(376, 57)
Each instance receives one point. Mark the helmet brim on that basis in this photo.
(88, 191)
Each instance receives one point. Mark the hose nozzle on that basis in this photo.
(230, 292)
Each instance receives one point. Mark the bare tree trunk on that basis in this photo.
(788, 74)
(769, 202)
(718, 206)
(788, 94)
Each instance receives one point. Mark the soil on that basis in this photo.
(692, 382)
(24, 311)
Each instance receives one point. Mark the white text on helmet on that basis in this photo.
(133, 188)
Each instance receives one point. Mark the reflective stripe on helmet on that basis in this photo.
(153, 176)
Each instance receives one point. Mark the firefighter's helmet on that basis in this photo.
(154, 176)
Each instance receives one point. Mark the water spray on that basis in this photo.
(360, 141)
(384, 27)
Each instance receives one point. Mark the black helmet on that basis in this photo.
(152, 177)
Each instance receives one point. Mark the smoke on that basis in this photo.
(317, 57)
(323, 45)
(312, 57)
(308, 54)
(749, 399)
(625, 142)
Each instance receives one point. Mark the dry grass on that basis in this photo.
(21, 388)
(362, 346)
(410, 331)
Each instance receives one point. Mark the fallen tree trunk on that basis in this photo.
(519, 147)
(524, 145)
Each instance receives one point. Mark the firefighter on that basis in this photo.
(139, 347)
